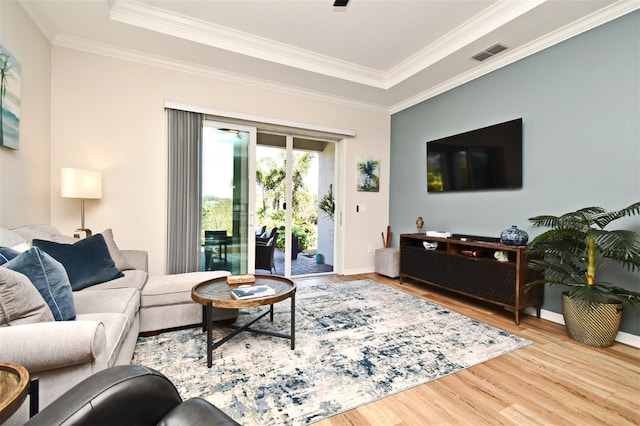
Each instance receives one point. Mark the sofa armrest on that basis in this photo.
(139, 259)
(51, 345)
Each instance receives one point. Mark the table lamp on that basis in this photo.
(83, 184)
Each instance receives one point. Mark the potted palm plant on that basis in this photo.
(571, 253)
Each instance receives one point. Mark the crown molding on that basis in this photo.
(601, 17)
(103, 49)
(587, 23)
(480, 25)
(152, 18)
(43, 23)
(159, 20)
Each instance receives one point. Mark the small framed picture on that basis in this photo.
(368, 174)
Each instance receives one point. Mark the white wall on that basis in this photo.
(24, 174)
(108, 115)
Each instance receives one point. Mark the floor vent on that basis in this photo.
(489, 52)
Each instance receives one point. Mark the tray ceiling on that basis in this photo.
(382, 55)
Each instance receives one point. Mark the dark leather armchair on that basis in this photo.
(128, 395)
(265, 252)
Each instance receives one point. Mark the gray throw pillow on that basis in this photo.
(119, 260)
(87, 262)
(50, 279)
(12, 239)
(20, 302)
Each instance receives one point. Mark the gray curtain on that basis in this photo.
(184, 192)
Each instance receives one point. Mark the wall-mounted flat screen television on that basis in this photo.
(483, 159)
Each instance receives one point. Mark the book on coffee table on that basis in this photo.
(252, 291)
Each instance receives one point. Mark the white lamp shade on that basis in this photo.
(77, 183)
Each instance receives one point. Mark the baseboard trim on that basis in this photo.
(621, 337)
(358, 271)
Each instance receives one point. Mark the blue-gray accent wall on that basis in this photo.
(580, 104)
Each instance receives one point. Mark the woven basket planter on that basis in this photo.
(596, 327)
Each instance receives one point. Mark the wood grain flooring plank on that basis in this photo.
(555, 381)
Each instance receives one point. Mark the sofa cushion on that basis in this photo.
(162, 290)
(119, 260)
(87, 262)
(133, 278)
(43, 232)
(50, 279)
(116, 300)
(6, 254)
(20, 302)
(12, 239)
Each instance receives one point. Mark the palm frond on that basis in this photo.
(621, 246)
(603, 293)
(588, 296)
(576, 243)
(603, 218)
(580, 219)
(547, 221)
(630, 297)
(556, 241)
(530, 285)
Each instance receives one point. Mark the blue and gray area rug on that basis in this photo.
(356, 342)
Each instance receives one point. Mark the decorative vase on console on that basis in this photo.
(419, 224)
(514, 236)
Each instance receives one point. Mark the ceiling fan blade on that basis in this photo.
(340, 3)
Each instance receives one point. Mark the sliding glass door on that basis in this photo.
(271, 202)
(267, 202)
(227, 201)
(322, 183)
(294, 187)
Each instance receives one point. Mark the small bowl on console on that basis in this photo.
(429, 245)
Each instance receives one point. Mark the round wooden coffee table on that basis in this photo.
(14, 386)
(216, 293)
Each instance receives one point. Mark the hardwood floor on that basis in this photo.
(555, 381)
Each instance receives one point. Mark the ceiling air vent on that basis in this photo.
(489, 52)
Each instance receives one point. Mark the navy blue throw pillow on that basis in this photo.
(50, 278)
(87, 262)
(6, 254)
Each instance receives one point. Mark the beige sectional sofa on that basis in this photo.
(109, 317)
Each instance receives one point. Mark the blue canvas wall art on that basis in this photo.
(10, 72)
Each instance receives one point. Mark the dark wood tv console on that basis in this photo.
(469, 267)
